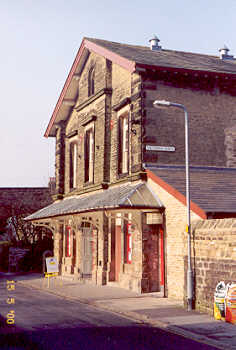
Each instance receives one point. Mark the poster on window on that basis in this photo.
(52, 265)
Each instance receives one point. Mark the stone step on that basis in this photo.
(69, 277)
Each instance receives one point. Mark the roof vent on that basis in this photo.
(224, 54)
(154, 44)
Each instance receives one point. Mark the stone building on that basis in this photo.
(119, 211)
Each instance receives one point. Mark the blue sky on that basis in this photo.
(39, 41)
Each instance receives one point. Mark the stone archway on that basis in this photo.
(84, 228)
(44, 242)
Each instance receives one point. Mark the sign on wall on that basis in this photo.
(52, 265)
(160, 148)
(154, 218)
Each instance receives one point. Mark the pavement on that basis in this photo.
(150, 308)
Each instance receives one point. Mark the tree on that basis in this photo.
(21, 232)
(15, 205)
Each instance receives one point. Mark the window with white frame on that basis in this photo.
(89, 154)
(73, 164)
(123, 156)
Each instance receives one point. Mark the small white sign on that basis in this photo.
(52, 264)
(160, 148)
(154, 218)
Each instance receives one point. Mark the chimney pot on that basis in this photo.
(224, 54)
(154, 44)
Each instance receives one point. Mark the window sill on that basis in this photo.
(122, 175)
(88, 183)
(72, 189)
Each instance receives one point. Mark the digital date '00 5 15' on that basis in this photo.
(10, 317)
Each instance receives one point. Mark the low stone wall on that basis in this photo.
(214, 258)
(15, 256)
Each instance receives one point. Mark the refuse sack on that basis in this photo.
(219, 301)
(230, 303)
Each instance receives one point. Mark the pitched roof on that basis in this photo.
(131, 196)
(212, 189)
(143, 55)
(130, 57)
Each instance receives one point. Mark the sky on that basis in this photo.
(40, 39)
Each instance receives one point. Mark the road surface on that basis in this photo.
(43, 321)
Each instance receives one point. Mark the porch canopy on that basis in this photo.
(124, 196)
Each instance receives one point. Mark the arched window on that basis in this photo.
(91, 82)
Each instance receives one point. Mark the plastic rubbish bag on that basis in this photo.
(230, 303)
(219, 301)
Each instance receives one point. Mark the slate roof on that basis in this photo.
(212, 189)
(168, 58)
(130, 195)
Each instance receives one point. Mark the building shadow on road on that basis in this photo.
(140, 337)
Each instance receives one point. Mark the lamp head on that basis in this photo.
(161, 103)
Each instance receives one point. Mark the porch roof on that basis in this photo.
(125, 196)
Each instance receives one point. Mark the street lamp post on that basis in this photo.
(158, 104)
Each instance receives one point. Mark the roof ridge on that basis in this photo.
(147, 47)
(193, 167)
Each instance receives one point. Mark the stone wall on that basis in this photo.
(136, 121)
(121, 89)
(60, 160)
(15, 257)
(98, 63)
(213, 251)
(230, 146)
(210, 109)
(209, 102)
(130, 275)
(214, 258)
(175, 241)
(77, 122)
(113, 84)
(73, 265)
(94, 111)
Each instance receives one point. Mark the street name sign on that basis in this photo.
(160, 148)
